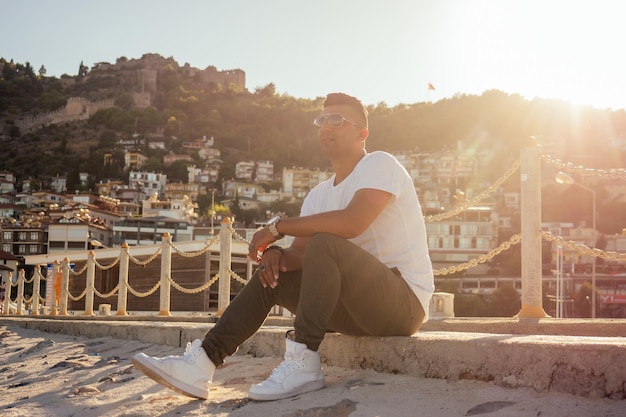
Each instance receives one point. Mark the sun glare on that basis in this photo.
(553, 50)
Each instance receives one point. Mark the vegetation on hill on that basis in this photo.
(264, 125)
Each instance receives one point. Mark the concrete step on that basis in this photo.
(587, 359)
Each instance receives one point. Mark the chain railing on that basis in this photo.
(514, 240)
(471, 203)
(575, 247)
(615, 173)
(582, 249)
(62, 271)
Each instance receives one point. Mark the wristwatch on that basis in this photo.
(271, 225)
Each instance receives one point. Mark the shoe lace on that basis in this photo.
(285, 369)
(190, 350)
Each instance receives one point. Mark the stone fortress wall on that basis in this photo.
(147, 67)
(77, 108)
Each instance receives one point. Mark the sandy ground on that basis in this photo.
(54, 375)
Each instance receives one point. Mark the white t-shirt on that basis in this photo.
(397, 237)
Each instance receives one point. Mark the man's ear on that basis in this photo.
(363, 133)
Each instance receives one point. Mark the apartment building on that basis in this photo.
(150, 230)
(180, 208)
(206, 175)
(74, 233)
(244, 170)
(264, 171)
(466, 236)
(178, 190)
(297, 182)
(134, 160)
(148, 182)
(23, 238)
(7, 182)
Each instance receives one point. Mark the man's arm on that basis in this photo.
(364, 207)
(349, 222)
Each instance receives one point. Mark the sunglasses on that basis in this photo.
(334, 120)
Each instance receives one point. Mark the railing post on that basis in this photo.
(166, 272)
(223, 299)
(56, 288)
(530, 176)
(249, 269)
(19, 300)
(122, 295)
(65, 286)
(36, 289)
(90, 284)
(7, 293)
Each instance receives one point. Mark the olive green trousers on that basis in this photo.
(341, 288)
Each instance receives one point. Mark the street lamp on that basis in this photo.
(563, 178)
(96, 244)
(212, 210)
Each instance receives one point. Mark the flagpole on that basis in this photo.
(429, 89)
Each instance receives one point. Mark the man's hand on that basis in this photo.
(270, 265)
(261, 239)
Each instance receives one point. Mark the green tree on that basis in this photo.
(285, 206)
(582, 301)
(177, 172)
(73, 178)
(249, 216)
(82, 70)
(51, 100)
(108, 139)
(448, 285)
(505, 301)
(236, 209)
(8, 71)
(35, 185)
(125, 101)
(14, 131)
(470, 305)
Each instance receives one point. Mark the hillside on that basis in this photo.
(155, 97)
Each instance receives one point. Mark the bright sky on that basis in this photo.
(380, 51)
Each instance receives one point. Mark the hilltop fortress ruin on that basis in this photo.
(146, 68)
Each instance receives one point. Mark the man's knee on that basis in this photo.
(323, 242)
(323, 245)
(322, 238)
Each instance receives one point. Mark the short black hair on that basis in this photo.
(345, 99)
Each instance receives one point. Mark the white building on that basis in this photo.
(73, 233)
(244, 170)
(150, 230)
(148, 182)
(59, 184)
(264, 171)
(7, 182)
(466, 236)
(297, 182)
(176, 209)
(203, 175)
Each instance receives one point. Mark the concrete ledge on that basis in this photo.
(545, 326)
(589, 366)
(496, 325)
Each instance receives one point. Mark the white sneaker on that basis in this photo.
(190, 374)
(300, 372)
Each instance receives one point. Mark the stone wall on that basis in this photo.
(76, 109)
